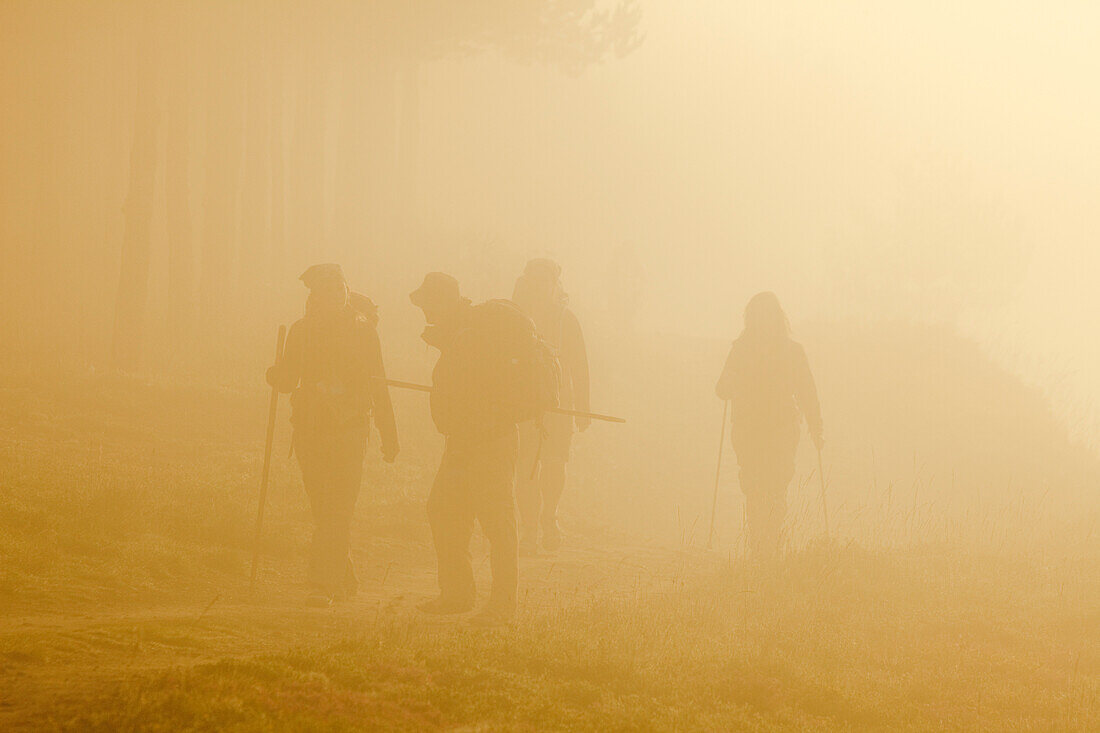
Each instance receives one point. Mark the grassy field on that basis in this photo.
(125, 523)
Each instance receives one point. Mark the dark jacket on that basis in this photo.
(768, 384)
(333, 366)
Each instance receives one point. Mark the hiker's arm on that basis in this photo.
(575, 354)
(806, 395)
(724, 388)
(284, 376)
(380, 395)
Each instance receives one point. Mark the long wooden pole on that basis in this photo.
(824, 505)
(718, 471)
(272, 408)
(556, 410)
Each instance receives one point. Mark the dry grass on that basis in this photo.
(126, 609)
(831, 640)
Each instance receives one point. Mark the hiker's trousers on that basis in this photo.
(540, 478)
(766, 459)
(475, 482)
(332, 471)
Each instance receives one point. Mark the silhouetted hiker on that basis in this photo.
(768, 382)
(481, 388)
(333, 366)
(539, 293)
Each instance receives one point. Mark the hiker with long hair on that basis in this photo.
(770, 388)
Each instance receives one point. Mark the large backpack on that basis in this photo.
(526, 376)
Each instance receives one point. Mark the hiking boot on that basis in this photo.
(551, 537)
(490, 618)
(318, 599)
(445, 606)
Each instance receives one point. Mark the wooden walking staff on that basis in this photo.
(718, 471)
(821, 477)
(555, 410)
(272, 408)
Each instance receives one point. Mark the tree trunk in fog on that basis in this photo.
(255, 186)
(308, 164)
(133, 282)
(353, 167)
(277, 252)
(379, 179)
(408, 155)
(368, 186)
(224, 142)
(383, 191)
(181, 255)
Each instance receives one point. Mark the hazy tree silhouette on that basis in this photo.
(303, 72)
(133, 283)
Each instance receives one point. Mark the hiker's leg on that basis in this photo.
(312, 460)
(497, 515)
(528, 484)
(451, 516)
(556, 453)
(347, 469)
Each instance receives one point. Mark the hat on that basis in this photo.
(321, 274)
(542, 268)
(438, 287)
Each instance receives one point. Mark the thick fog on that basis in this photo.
(934, 162)
(792, 422)
(914, 181)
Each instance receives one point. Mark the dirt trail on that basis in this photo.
(61, 634)
(89, 646)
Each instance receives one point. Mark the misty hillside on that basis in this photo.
(915, 416)
(921, 427)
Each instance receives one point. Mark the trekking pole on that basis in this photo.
(273, 406)
(824, 506)
(718, 472)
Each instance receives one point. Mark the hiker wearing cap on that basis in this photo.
(332, 366)
(471, 407)
(544, 450)
(770, 389)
